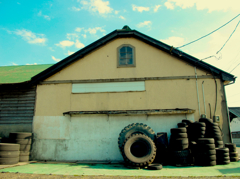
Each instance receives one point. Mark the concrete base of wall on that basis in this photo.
(90, 137)
(5, 129)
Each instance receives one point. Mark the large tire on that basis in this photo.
(9, 147)
(179, 141)
(134, 128)
(155, 166)
(20, 135)
(9, 161)
(205, 141)
(179, 135)
(139, 150)
(9, 154)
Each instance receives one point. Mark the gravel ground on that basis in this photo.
(38, 176)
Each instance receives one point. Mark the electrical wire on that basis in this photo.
(209, 33)
(223, 45)
(234, 68)
(228, 37)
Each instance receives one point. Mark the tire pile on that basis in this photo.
(18, 150)
(205, 152)
(178, 146)
(233, 154)
(9, 153)
(25, 141)
(192, 143)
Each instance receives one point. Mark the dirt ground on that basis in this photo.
(39, 176)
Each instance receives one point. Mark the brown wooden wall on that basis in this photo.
(17, 104)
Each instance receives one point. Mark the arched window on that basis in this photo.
(126, 56)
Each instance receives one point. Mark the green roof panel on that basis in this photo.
(19, 74)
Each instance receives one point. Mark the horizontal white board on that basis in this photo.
(108, 87)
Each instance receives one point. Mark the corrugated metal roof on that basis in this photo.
(21, 73)
(235, 111)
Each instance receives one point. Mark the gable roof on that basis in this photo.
(36, 73)
(127, 32)
(20, 74)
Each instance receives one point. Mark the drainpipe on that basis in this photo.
(228, 118)
(197, 92)
(204, 100)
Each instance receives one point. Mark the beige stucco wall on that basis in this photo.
(102, 64)
(54, 99)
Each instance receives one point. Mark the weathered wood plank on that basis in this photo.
(16, 105)
(16, 118)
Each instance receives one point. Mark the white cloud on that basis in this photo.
(84, 35)
(94, 30)
(169, 5)
(44, 16)
(70, 53)
(174, 41)
(156, 8)
(78, 29)
(79, 44)
(210, 5)
(76, 8)
(31, 37)
(55, 59)
(100, 6)
(139, 8)
(14, 63)
(121, 17)
(145, 23)
(31, 64)
(116, 12)
(72, 36)
(65, 43)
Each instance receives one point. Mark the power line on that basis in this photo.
(223, 44)
(209, 33)
(228, 37)
(234, 68)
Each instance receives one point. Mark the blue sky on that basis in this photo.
(44, 32)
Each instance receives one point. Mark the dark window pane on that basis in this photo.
(123, 50)
(129, 49)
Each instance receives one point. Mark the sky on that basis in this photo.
(45, 32)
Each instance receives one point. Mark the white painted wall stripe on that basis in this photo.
(108, 87)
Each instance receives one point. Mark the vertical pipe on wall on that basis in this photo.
(228, 118)
(197, 91)
(204, 100)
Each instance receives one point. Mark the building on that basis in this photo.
(84, 101)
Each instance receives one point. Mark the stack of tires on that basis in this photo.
(213, 131)
(25, 141)
(9, 153)
(196, 130)
(178, 145)
(232, 152)
(223, 157)
(136, 144)
(205, 152)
